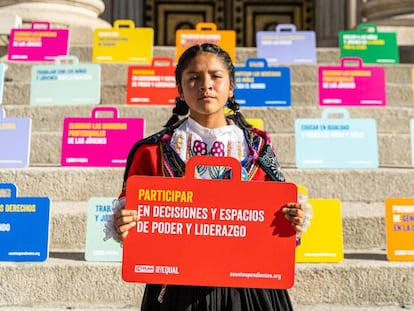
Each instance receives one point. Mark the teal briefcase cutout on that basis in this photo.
(96, 248)
(258, 85)
(3, 68)
(66, 82)
(336, 142)
(24, 226)
(370, 45)
(15, 134)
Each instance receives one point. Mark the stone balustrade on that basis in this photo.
(391, 15)
(81, 16)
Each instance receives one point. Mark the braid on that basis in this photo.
(237, 116)
(180, 109)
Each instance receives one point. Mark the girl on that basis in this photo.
(205, 77)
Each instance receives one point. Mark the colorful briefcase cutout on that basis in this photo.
(399, 223)
(352, 84)
(286, 46)
(38, 43)
(412, 140)
(258, 85)
(323, 239)
(24, 226)
(3, 68)
(15, 136)
(124, 43)
(336, 142)
(370, 45)
(205, 33)
(100, 141)
(66, 82)
(197, 238)
(153, 84)
(96, 248)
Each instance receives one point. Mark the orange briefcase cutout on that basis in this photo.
(208, 232)
(399, 224)
(205, 32)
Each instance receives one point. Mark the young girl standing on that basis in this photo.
(205, 77)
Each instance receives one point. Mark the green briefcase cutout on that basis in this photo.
(191, 230)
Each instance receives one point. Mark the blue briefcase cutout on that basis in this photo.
(258, 85)
(24, 226)
(3, 68)
(15, 134)
(286, 46)
(336, 142)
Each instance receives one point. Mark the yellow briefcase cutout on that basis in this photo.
(205, 33)
(123, 43)
(399, 224)
(323, 239)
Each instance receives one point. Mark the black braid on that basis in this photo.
(180, 109)
(237, 116)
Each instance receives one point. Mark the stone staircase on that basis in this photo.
(365, 280)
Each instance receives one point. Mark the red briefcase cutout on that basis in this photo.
(210, 232)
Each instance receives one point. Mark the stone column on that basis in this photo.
(81, 16)
(391, 16)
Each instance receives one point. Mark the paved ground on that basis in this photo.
(135, 308)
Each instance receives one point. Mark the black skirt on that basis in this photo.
(192, 298)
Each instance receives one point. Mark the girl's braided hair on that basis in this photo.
(181, 107)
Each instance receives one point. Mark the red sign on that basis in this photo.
(153, 84)
(208, 232)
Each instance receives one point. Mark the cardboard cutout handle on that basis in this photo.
(256, 62)
(162, 61)
(351, 60)
(206, 26)
(40, 23)
(67, 59)
(341, 111)
(11, 187)
(124, 23)
(285, 27)
(367, 28)
(213, 161)
(113, 110)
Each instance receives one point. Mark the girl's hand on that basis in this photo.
(125, 220)
(295, 212)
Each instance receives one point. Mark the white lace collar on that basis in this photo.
(190, 138)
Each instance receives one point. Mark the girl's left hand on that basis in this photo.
(295, 212)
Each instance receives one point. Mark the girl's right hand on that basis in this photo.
(125, 220)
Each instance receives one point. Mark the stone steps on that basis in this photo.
(297, 307)
(118, 72)
(365, 280)
(79, 184)
(349, 282)
(392, 120)
(46, 146)
(302, 94)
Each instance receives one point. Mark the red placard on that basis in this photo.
(210, 232)
(154, 84)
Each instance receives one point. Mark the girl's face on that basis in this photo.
(205, 87)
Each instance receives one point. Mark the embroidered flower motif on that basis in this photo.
(199, 148)
(217, 149)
